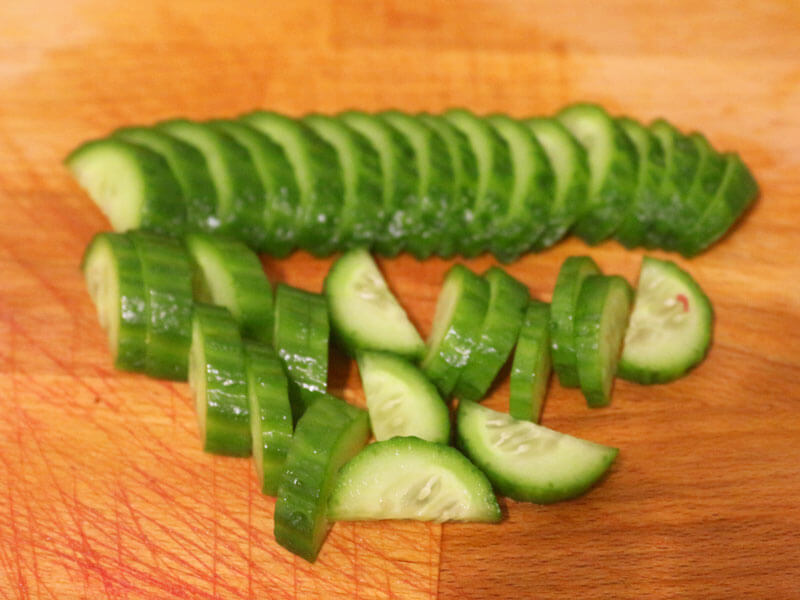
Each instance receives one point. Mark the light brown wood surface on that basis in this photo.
(104, 492)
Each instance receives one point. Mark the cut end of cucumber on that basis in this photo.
(102, 280)
(443, 316)
(197, 376)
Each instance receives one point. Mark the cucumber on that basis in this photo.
(426, 213)
(363, 311)
(240, 197)
(270, 414)
(329, 434)
(281, 194)
(302, 332)
(113, 275)
(601, 318)
(401, 401)
(190, 171)
(228, 273)
(410, 478)
(530, 370)
(495, 184)
(361, 218)
(612, 170)
(562, 316)
(528, 462)
(645, 210)
(570, 166)
(131, 185)
(167, 277)
(318, 177)
(460, 311)
(218, 380)
(399, 174)
(670, 325)
(508, 299)
(532, 194)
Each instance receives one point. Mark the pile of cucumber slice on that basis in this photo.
(451, 183)
(200, 308)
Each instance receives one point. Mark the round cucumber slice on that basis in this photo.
(410, 478)
(401, 400)
(530, 370)
(670, 327)
(528, 462)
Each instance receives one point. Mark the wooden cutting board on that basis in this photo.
(104, 492)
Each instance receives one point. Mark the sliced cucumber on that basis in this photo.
(329, 434)
(229, 274)
(361, 218)
(218, 380)
(670, 326)
(302, 332)
(530, 370)
(460, 311)
(113, 276)
(190, 170)
(401, 401)
(131, 185)
(364, 313)
(601, 319)
(612, 169)
(270, 414)
(528, 462)
(508, 299)
(167, 277)
(410, 478)
(562, 316)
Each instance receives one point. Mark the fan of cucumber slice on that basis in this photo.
(455, 183)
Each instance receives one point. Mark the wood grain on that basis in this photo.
(104, 492)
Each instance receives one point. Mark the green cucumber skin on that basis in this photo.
(282, 196)
(227, 410)
(162, 208)
(562, 316)
(327, 436)
(530, 369)
(508, 299)
(595, 372)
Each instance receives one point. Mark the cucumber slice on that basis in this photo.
(410, 478)
(737, 190)
(399, 171)
(460, 311)
(282, 196)
(218, 381)
(318, 176)
(229, 274)
(425, 216)
(670, 326)
(329, 434)
(113, 275)
(601, 319)
(495, 184)
(562, 316)
(240, 197)
(190, 170)
(132, 186)
(401, 401)
(530, 370)
(270, 414)
(612, 170)
(528, 462)
(532, 195)
(570, 167)
(648, 202)
(508, 299)
(167, 277)
(361, 219)
(301, 339)
(364, 313)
